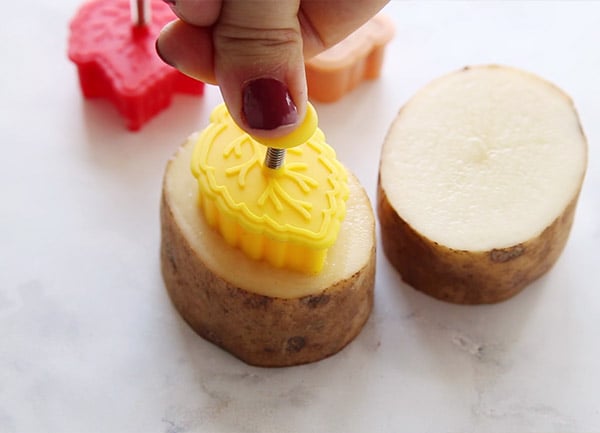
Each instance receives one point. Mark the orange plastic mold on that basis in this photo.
(339, 69)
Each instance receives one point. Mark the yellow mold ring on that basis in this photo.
(289, 216)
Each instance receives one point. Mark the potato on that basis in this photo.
(478, 183)
(264, 315)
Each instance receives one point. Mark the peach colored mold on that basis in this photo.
(338, 70)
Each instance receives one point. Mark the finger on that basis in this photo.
(189, 49)
(326, 22)
(201, 13)
(259, 65)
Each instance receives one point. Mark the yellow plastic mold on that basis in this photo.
(289, 216)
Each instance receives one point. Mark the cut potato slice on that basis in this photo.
(264, 315)
(479, 179)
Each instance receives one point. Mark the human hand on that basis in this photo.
(255, 49)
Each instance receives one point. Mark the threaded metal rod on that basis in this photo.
(274, 158)
(141, 12)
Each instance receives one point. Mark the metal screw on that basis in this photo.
(276, 147)
(274, 158)
(141, 12)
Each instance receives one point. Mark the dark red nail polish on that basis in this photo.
(267, 104)
(170, 2)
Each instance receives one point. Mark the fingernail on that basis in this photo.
(157, 49)
(170, 2)
(267, 104)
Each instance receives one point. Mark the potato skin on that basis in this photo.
(261, 330)
(469, 277)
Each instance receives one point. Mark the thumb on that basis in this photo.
(259, 65)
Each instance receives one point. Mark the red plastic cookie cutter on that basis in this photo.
(113, 44)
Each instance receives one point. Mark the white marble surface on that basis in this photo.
(89, 341)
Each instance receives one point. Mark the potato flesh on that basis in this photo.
(484, 158)
(350, 253)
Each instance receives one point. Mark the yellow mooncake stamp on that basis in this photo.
(289, 216)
